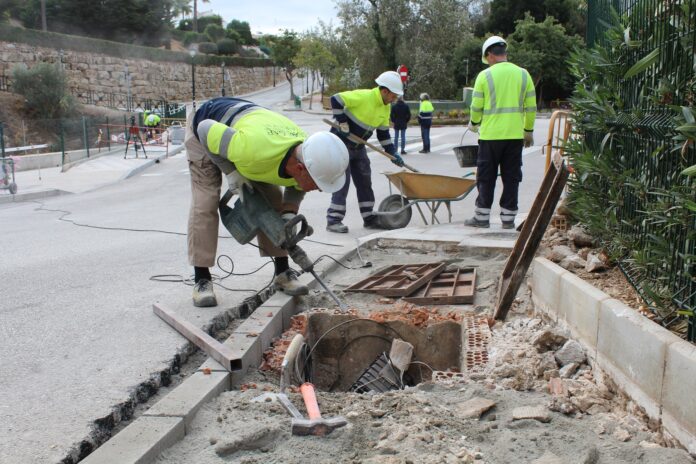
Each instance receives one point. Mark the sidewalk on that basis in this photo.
(90, 175)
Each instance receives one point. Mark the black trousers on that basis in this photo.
(505, 155)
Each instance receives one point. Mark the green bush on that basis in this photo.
(44, 90)
(120, 50)
(194, 37)
(178, 34)
(208, 48)
(227, 47)
(214, 32)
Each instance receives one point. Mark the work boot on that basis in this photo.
(338, 227)
(404, 152)
(473, 222)
(422, 151)
(373, 224)
(508, 224)
(287, 283)
(203, 295)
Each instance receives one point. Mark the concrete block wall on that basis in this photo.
(653, 366)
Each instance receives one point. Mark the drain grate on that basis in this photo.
(380, 377)
(478, 335)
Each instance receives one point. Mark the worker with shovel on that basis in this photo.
(360, 112)
(263, 150)
(503, 109)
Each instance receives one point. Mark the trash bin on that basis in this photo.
(176, 134)
(298, 102)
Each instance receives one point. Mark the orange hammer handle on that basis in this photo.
(310, 400)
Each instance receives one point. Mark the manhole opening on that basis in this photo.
(352, 354)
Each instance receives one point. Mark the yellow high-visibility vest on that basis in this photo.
(504, 102)
(257, 144)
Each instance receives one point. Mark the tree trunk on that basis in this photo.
(43, 16)
(195, 16)
(288, 76)
(311, 93)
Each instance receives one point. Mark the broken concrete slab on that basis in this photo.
(549, 340)
(568, 370)
(473, 408)
(539, 413)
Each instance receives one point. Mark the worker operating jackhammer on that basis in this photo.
(262, 150)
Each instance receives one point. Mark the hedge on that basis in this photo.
(120, 50)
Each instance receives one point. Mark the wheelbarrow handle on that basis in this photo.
(356, 139)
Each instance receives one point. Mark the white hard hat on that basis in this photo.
(493, 40)
(392, 81)
(326, 158)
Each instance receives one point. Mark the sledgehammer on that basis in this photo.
(315, 425)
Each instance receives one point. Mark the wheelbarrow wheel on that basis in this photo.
(394, 220)
(13, 188)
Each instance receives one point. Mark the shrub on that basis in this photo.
(44, 90)
(194, 37)
(208, 47)
(453, 114)
(214, 32)
(227, 47)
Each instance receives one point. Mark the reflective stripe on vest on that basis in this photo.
(491, 95)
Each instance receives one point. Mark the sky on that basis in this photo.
(271, 16)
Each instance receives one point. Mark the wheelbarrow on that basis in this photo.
(431, 190)
(7, 175)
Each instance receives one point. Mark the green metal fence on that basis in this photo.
(659, 49)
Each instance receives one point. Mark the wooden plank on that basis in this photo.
(450, 287)
(223, 354)
(532, 232)
(398, 280)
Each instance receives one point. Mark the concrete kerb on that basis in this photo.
(651, 365)
(166, 421)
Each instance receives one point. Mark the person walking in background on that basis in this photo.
(503, 110)
(400, 116)
(360, 112)
(425, 119)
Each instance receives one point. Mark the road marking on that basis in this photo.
(152, 175)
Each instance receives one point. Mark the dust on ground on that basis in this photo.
(537, 400)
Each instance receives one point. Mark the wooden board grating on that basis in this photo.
(398, 280)
(455, 286)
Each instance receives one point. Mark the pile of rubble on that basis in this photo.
(574, 249)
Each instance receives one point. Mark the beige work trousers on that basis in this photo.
(203, 223)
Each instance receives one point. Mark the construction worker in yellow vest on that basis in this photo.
(360, 112)
(265, 150)
(503, 110)
(425, 119)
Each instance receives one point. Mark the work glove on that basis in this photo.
(473, 127)
(345, 128)
(528, 139)
(235, 182)
(398, 160)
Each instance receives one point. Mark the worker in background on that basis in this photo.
(503, 109)
(360, 112)
(425, 119)
(258, 147)
(400, 116)
(152, 123)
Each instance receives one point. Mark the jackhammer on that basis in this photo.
(252, 215)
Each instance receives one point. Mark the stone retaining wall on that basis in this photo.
(155, 80)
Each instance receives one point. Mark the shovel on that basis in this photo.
(356, 139)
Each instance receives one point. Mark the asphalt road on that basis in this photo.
(77, 331)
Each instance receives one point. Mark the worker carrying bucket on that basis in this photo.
(503, 109)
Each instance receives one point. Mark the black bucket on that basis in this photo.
(466, 155)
